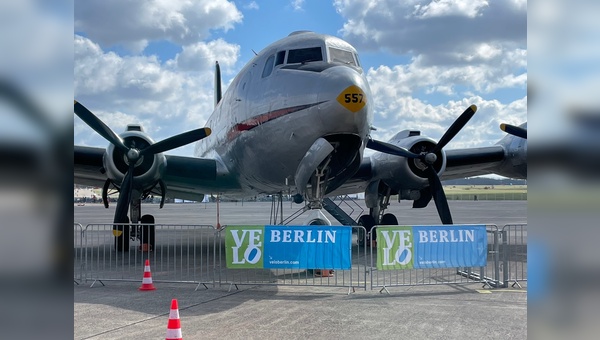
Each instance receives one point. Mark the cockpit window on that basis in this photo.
(268, 66)
(280, 58)
(304, 55)
(341, 56)
(357, 61)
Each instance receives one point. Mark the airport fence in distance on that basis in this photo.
(204, 256)
(501, 196)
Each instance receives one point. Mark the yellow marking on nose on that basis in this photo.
(117, 233)
(352, 98)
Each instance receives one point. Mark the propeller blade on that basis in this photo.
(390, 149)
(439, 197)
(455, 128)
(102, 129)
(424, 198)
(176, 141)
(514, 130)
(124, 196)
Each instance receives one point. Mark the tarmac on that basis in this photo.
(118, 310)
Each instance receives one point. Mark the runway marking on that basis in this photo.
(487, 291)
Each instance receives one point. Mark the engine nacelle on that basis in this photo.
(148, 169)
(401, 173)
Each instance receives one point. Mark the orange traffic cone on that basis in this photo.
(174, 325)
(147, 280)
(323, 273)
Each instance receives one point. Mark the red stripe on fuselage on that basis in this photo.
(253, 122)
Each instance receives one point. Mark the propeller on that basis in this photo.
(514, 130)
(133, 154)
(428, 158)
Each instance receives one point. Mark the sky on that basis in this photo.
(152, 62)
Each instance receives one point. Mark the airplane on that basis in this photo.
(296, 120)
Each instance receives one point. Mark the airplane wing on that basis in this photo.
(88, 166)
(185, 177)
(461, 163)
(190, 177)
(507, 158)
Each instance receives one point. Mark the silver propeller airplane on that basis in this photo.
(296, 120)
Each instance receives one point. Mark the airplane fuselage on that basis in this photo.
(304, 87)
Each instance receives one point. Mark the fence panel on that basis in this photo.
(356, 277)
(487, 275)
(180, 254)
(78, 253)
(514, 254)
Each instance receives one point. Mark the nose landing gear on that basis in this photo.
(377, 216)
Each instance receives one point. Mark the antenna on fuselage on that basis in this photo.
(218, 94)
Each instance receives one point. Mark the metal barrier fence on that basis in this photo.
(78, 249)
(488, 275)
(356, 277)
(514, 254)
(196, 254)
(181, 253)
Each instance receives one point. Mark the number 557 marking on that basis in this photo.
(353, 98)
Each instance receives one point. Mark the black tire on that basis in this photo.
(368, 222)
(318, 221)
(389, 219)
(148, 230)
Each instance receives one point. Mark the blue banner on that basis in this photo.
(291, 247)
(448, 246)
(305, 247)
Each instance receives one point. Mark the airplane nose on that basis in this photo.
(346, 96)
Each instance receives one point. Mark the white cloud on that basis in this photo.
(297, 5)
(136, 22)
(439, 8)
(483, 52)
(202, 55)
(140, 77)
(439, 31)
(252, 5)
(477, 76)
(400, 113)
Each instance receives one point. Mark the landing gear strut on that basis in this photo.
(130, 230)
(315, 199)
(376, 216)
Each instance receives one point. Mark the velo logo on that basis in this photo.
(244, 246)
(395, 248)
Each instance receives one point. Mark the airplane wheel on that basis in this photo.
(318, 221)
(389, 219)
(368, 222)
(148, 230)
